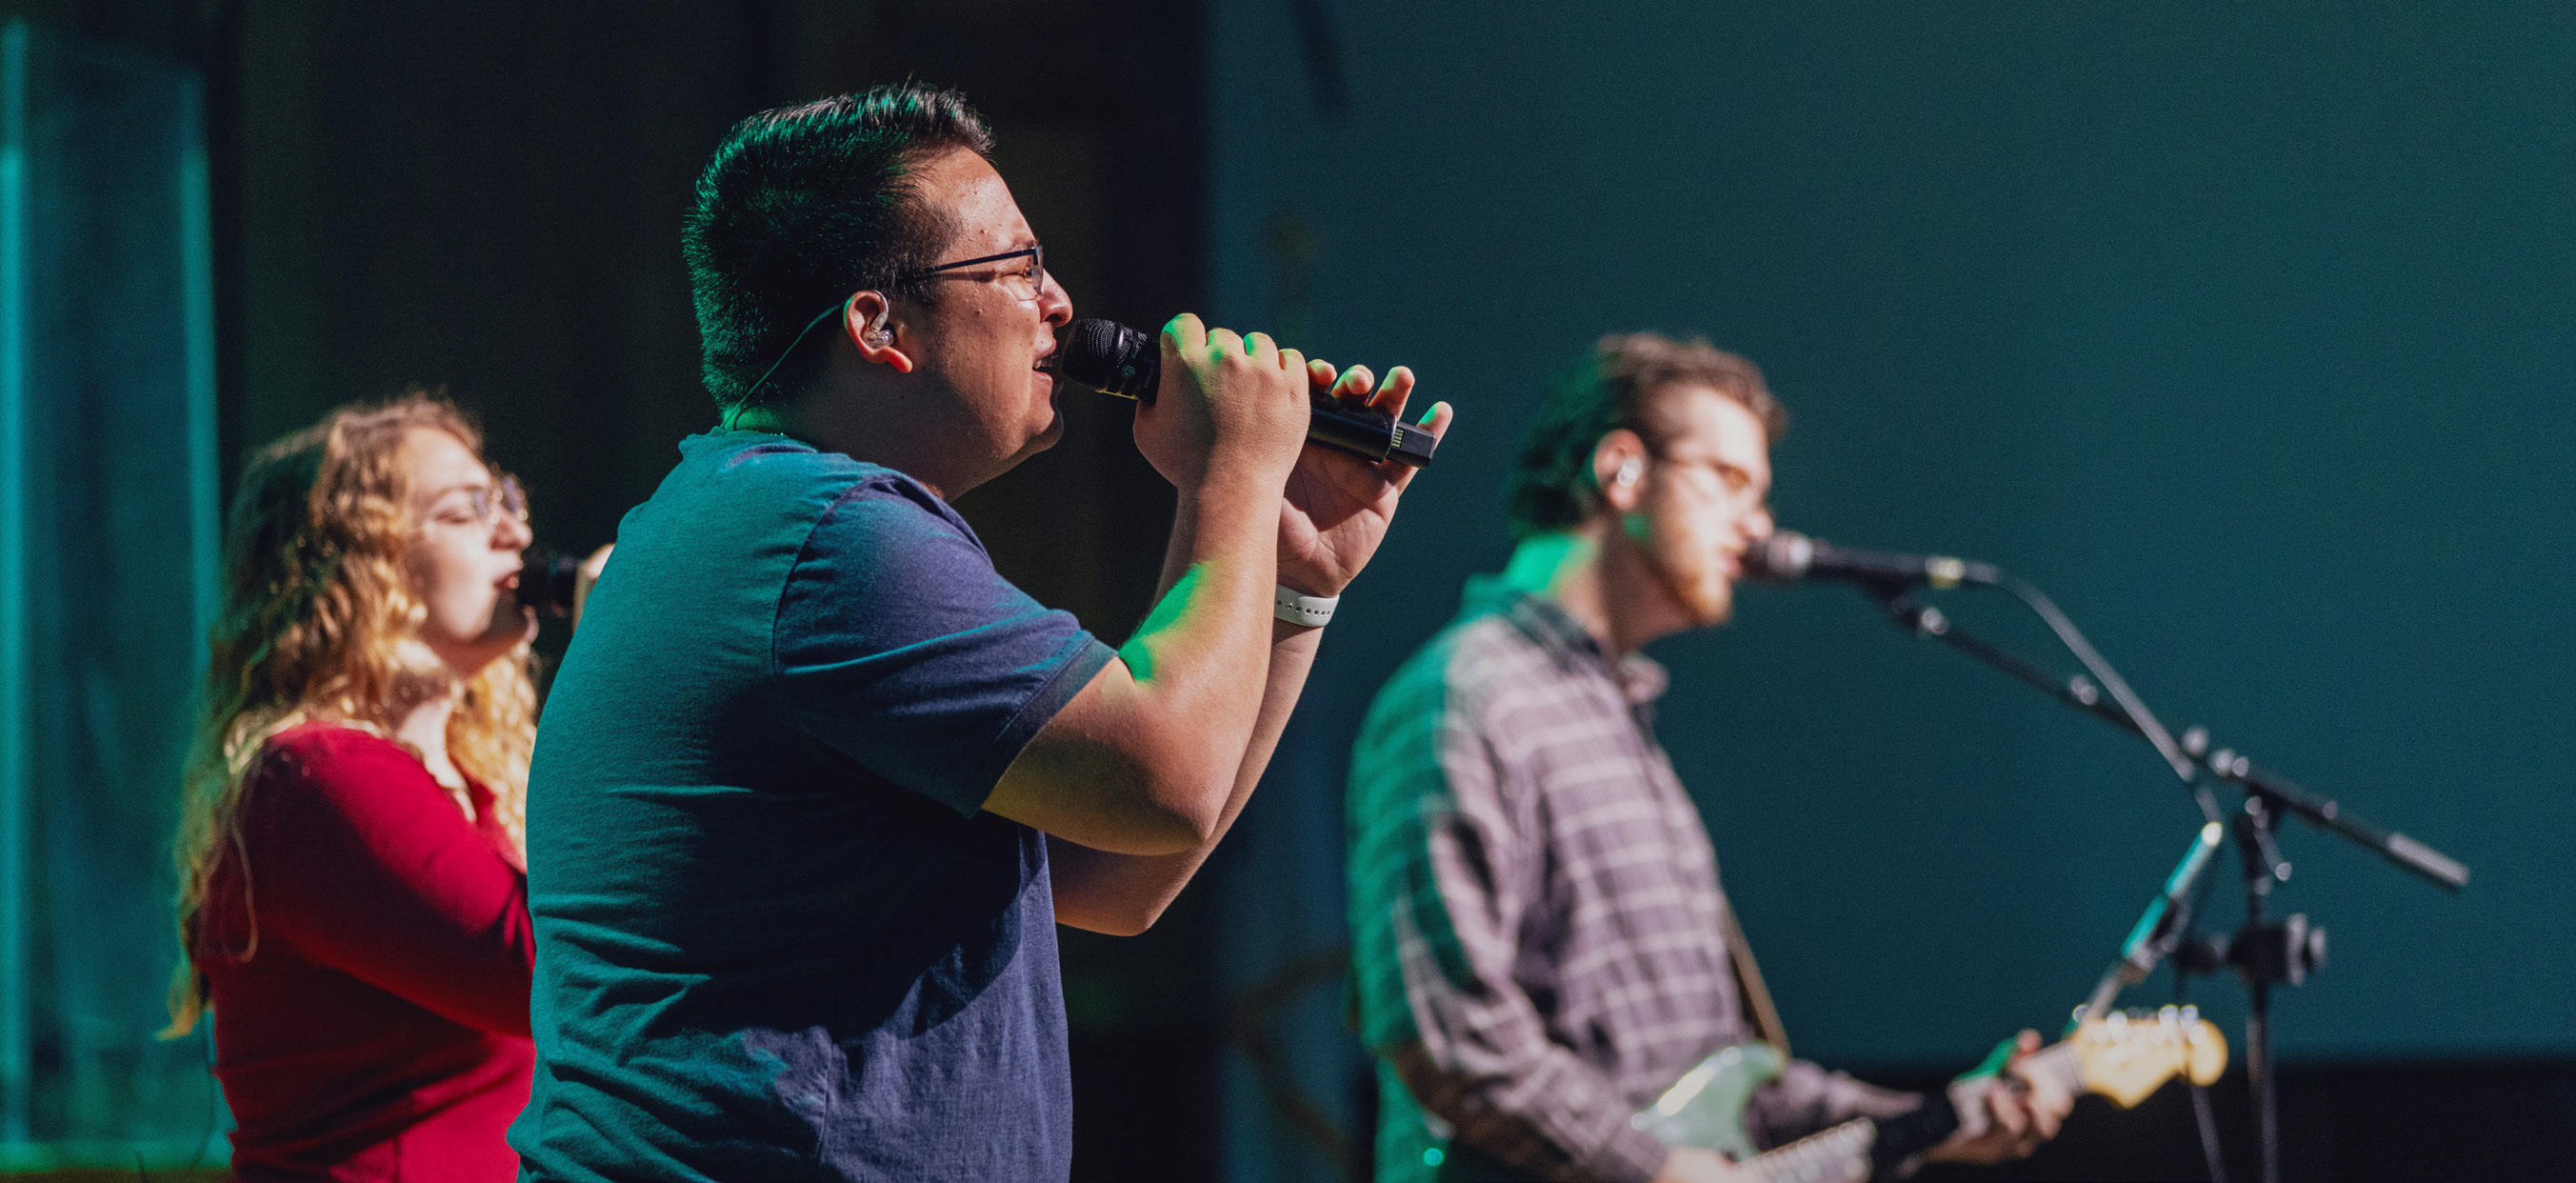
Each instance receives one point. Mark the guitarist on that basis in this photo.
(1541, 946)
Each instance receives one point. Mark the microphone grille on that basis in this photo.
(547, 579)
(1108, 357)
(1781, 558)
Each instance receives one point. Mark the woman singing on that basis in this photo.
(353, 905)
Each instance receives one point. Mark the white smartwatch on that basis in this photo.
(1311, 611)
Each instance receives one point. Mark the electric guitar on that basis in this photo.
(2124, 1056)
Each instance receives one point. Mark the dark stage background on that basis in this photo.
(2245, 330)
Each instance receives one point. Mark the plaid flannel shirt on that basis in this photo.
(1537, 947)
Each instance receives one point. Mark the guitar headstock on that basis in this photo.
(2127, 1055)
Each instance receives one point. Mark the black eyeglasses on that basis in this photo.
(1022, 283)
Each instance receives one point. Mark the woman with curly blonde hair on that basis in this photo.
(353, 899)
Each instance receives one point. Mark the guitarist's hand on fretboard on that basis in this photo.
(2003, 1109)
(2007, 1115)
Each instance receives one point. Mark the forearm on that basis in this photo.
(1124, 894)
(1142, 759)
(1200, 659)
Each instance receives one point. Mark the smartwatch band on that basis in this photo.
(1311, 611)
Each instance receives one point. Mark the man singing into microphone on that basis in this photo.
(1540, 943)
(815, 785)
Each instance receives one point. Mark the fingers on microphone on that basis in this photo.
(1185, 332)
(1320, 374)
(1396, 390)
(1356, 384)
(1436, 421)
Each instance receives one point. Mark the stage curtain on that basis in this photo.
(107, 565)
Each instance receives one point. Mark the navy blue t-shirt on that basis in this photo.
(777, 938)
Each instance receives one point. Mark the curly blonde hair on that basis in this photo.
(319, 624)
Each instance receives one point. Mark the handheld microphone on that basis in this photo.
(1788, 557)
(1114, 359)
(546, 580)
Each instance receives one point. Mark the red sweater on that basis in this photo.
(379, 1029)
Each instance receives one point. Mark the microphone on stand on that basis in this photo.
(1114, 359)
(1789, 557)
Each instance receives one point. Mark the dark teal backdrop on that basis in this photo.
(2247, 331)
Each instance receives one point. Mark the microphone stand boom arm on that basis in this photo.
(2084, 695)
(2264, 954)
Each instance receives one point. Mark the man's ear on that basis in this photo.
(867, 320)
(1618, 470)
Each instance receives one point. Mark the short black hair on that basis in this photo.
(802, 206)
(1614, 386)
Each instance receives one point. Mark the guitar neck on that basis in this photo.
(1845, 1153)
(2061, 1064)
(2125, 1058)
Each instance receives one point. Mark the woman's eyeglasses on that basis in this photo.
(503, 495)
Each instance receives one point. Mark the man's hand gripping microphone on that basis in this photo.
(1114, 359)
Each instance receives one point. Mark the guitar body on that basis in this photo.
(1705, 1108)
(2124, 1056)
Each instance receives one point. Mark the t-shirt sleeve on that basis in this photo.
(898, 646)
